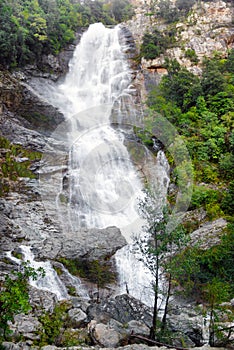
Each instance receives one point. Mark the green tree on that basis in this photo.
(230, 62)
(181, 87)
(228, 201)
(212, 79)
(14, 298)
(153, 44)
(157, 245)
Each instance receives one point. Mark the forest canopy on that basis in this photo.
(31, 28)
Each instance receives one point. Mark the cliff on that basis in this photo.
(26, 122)
(207, 29)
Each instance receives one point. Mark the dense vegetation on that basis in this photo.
(202, 109)
(32, 28)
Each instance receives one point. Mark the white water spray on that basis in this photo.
(104, 185)
(50, 282)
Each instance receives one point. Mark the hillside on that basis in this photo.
(169, 64)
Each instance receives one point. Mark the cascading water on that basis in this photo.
(104, 185)
(50, 282)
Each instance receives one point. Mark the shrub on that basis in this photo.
(191, 54)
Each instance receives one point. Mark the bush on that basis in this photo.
(153, 45)
(196, 268)
(14, 297)
(156, 43)
(228, 201)
(98, 272)
(202, 196)
(181, 87)
(11, 168)
(191, 54)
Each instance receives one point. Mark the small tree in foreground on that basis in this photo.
(157, 247)
(14, 298)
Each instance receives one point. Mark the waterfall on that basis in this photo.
(50, 282)
(104, 186)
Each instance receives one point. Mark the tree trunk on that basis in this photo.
(153, 328)
(164, 319)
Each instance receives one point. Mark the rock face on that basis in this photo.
(123, 308)
(207, 30)
(18, 96)
(92, 244)
(208, 234)
(27, 325)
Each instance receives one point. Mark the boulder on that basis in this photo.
(26, 326)
(104, 335)
(77, 316)
(137, 327)
(122, 308)
(41, 300)
(91, 244)
(208, 234)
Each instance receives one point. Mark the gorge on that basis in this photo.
(84, 138)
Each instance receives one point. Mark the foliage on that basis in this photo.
(14, 298)
(57, 328)
(212, 79)
(191, 54)
(181, 87)
(230, 62)
(201, 109)
(185, 6)
(170, 11)
(156, 248)
(96, 271)
(52, 323)
(121, 10)
(155, 43)
(208, 275)
(228, 200)
(197, 268)
(32, 28)
(14, 163)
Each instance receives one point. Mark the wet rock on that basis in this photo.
(80, 303)
(18, 96)
(41, 115)
(77, 316)
(10, 91)
(17, 130)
